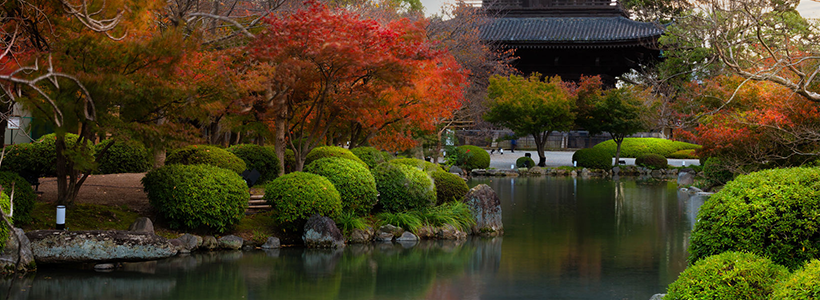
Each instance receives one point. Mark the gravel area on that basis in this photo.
(111, 189)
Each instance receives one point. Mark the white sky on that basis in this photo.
(807, 8)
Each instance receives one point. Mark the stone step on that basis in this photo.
(252, 202)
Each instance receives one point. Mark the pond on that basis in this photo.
(566, 238)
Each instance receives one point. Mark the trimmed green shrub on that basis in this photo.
(423, 165)
(449, 187)
(730, 275)
(27, 160)
(4, 229)
(634, 147)
(403, 188)
(24, 196)
(477, 158)
(803, 284)
(684, 154)
(331, 151)
(524, 162)
(355, 183)
(371, 156)
(772, 213)
(298, 195)
(197, 196)
(593, 158)
(652, 161)
(47, 145)
(261, 158)
(715, 172)
(206, 155)
(123, 157)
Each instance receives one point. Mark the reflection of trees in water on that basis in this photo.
(71, 285)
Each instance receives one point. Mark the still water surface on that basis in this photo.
(566, 238)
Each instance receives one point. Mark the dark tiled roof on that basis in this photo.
(569, 30)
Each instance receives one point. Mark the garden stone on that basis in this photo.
(189, 242)
(407, 237)
(179, 246)
(359, 236)
(685, 179)
(536, 171)
(272, 243)
(105, 267)
(492, 172)
(485, 207)
(615, 171)
(479, 172)
(456, 170)
(392, 229)
(321, 232)
(573, 173)
(15, 251)
(209, 243)
(448, 232)
(426, 232)
(382, 236)
(59, 246)
(657, 173)
(585, 172)
(657, 297)
(230, 242)
(142, 225)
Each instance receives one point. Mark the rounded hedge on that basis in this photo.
(634, 147)
(803, 284)
(4, 229)
(730, 275)
(715, 172)
(449, 187)
(206, 155)
(123, 157)
(261, 158)
(371, 156)
(477, 158)
(355, 183)
(298, 195)
(772, 213)
(593, 158)
(652, 161)
(28, 160)
(423, 165)
(197, 196)
(331, 151)
(24, 196)
(524, 162)
(402, 187)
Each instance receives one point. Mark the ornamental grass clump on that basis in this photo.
(206, 155)
(331, 151)
(402, 188)
(476, 157)
(593, 158)
(772, 213)
(122, 157)
(298, 195)
(803, 284)
(355, 183)
(197, 196)
(652, 161)
(371, 156)
(261, 158)
(730, 275)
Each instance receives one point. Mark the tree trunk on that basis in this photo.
(540, 142)
(280, 126)
(618, 140)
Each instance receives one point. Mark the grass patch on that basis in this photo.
(82, 217)
(257, 227)
(410, 220)
(453, 213)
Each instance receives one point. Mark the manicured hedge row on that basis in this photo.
(635, 147)
(371, 156)
(355, 183)
(206, 155)
(593, 158)
(477, 157)
(298, 195)
(123, 157)
(402, 187)
(261, 158)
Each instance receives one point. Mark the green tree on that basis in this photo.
(617, 112)
(530, 106)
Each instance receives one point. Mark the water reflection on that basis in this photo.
(566, 238)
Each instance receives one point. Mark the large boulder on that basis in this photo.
(142, 225)
(486, 210)
(686, 178)
(321, 232)
(272, 243)
(230, 242)
(17, 252)
(58, 246)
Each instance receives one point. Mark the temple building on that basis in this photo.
(571, 38)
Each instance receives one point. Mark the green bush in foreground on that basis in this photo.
(730, 275)
(423, 165)
(371, 156)
(47, 147)
(803, 284)
(355, 183)
(261, 158)
(24, 196)
(27, 160)
(772, 213)
(402, 188)
(197, 196)
(449, 187)
(123, 157)
(634, 147)
(332, 151)
(593, 158)
(524, 162)
(206, 155)
(652, 161)
(298, 195)
(715, 172)
(4, 229)
(476, 157)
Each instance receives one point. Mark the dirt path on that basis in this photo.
(113, 189)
